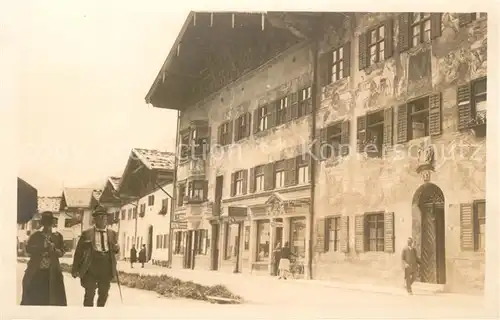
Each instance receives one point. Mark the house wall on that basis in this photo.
(357, 185)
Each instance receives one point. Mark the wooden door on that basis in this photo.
(215, 246)
(428, 256)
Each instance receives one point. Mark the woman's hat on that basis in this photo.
(99, 211)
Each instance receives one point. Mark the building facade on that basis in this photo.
(394, 106)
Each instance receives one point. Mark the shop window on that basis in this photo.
(263, 240)
(479, 225)
(282, 111)
(279, 174)
(333, 234)
(151, 200)
(259, 178)
(374, 231)
(227, 243)
(298, 236)
(246, 246)
(201, 245)
(420, 28)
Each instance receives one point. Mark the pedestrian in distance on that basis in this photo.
(284, 266)
(410, 261)
(94, 260)
(276, 258)
(133, 256)
(142, 255)
(43, 281)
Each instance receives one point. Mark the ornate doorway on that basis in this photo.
(430, 201)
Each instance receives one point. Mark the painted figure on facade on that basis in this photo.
(133, 256)
(410, 261)
(95, 259)
(43, 282)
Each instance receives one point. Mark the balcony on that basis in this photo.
(193, 208)
(193, 168)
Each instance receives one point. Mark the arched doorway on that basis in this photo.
(429, 232)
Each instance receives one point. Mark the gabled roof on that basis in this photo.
(76, 198)
(51, 204)
(115, 182)
(154, 159)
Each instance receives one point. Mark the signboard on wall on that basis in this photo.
(178, 225)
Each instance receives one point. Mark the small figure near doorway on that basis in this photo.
(142, 255)
(276, 259)
(133, 256)
(410, 261)
(284, 266)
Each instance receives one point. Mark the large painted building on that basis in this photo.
(340, 133)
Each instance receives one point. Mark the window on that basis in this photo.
(371, 131)
(201, 241)
(68, 223)
(151, 200)
(282, 111)
(375, 231)
(479, 225)
(142, 208)
(337, 64)
(419, 118)
(259, 178)
(178, 242)
(242, 127)
(279, 174)
(246, 238)
(238, 182)
(420, 28)
(376, 44)
(263, 240)
(129, 216)
(334, 140)
(479, 100)
(165, 241)
(196, 190)
(304, 102)
(263, 114)
(303, 163)
(333, 234)
(158, 241)
(298, 236)
(185, 145)
(123, 214)
(181, 193)
(227, 245)
(225, 137)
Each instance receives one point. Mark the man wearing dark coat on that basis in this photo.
(43, 282)
(133, 255)
(410, 261)
(142, 255)
(95, 259)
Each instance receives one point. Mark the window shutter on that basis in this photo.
(347, 59)
(435, 114)
(245, 181)
(233, 184)
(389, 232)
(402, 123)
(325, 68)
(466, 227)
(269, 176)
(323, 139)
(359, 233)
(363, 51)
(252, 180)
(435, 25)
(344, 138)
(236, 129)
(272, 117)
(205, 190)
(464, 106)
(292, 171)
(388, 117)
(464, 19)
(361, 133)
(256, 120)
(389, 41)
(219, 135)
(344, 234)
(248, 121)
(230, 132)
(293, 104)
(320, 235)
(404, 32)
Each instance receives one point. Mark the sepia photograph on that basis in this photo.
(282, 163)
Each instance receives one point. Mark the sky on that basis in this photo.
(84, 72)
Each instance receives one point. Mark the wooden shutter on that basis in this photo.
(359, 233)
(248, 123)
(466, 227)
(291, 173)
(347, 59)
(344, 234)
(404, 32)
(361, 133)
(389, 41)
(464, 106)
(320, 235)
(293, 104)
(435, 114)
(272, 107)
(323, 139)
(245, 181)
(325, 68)
(219, 134)
(230, 132)
(389, 232)
(256, 120)
(388, 115)
(233, 184)
(269, 176)
(464, 19)
(363, 51)
(402, 123)
(252, 180)
(344, 138)
(435, 25)
(205, 190)
(236, 129)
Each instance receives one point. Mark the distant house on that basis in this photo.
(110, 200)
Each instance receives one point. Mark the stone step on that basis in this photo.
(428, 287)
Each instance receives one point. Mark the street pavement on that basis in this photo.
(266, 295)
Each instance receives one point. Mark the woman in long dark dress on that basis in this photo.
(43, 282)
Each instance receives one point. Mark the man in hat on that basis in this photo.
(410, 261)
(94, 260)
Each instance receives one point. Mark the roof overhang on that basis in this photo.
(109, 196)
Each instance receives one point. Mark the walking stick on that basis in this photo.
(113, 258)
